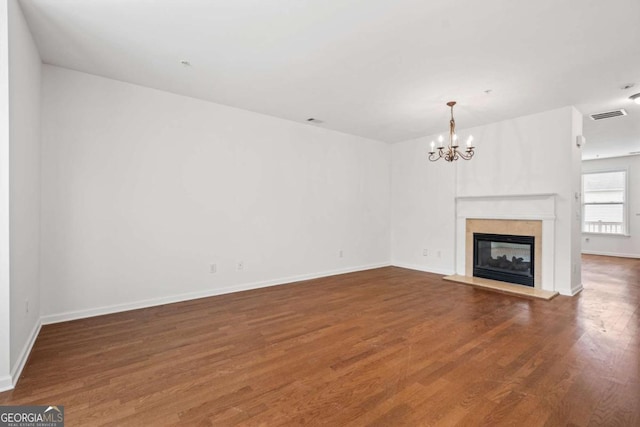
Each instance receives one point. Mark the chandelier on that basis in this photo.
(452, 151)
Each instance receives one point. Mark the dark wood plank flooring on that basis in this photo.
(383, 347)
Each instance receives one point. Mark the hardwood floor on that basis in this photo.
(383, 347)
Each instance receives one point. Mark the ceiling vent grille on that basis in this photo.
(608, 114)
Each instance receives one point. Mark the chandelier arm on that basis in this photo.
(433, 157)
(466, 156)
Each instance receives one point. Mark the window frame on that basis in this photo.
(625, 203)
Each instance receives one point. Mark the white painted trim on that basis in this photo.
(24, 354)
(426, 269)
(99, 311)
(512, 217)
(614, 254)
(508, 196)
(589, 234)
(6, 383)
(613, 156)
(575, 290)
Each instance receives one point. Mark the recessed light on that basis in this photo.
(488, 91)
(314, 120)
(627, 86)
(185, 63)
(635, 98)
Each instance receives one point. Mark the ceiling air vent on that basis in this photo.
(608, 114)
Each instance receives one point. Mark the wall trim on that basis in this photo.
(25, 353)
(614, 254)
(117, 308)
(6, 383)
(426, 269)
(508, 196)
(576, 290)
(511, 217)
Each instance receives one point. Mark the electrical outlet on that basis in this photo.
(240, 266)
(213, 268)
(425, 252)
(340, 254)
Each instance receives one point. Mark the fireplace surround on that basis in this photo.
(508, 227)
(516, 214)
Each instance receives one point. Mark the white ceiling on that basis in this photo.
(377, 68)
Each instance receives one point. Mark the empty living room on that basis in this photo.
(340, 213)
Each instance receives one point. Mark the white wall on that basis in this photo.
(627, 246)
(526, 155)
(422, 209)
(24, 103)
(143, 190)
(534, 154)
(5, 299)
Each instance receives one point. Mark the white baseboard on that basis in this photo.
(615, 254)
(16, 371)
(6, 383)
(443, 271)
(576, 290)
(99, 311)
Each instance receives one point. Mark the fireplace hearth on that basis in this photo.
(504, 257)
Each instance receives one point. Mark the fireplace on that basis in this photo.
(504, 257)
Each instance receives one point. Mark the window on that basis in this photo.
(604, 202)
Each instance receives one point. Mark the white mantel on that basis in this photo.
(540, 207)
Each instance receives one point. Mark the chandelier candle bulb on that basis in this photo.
(433, 147)
(469, 141)
(440, 141)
